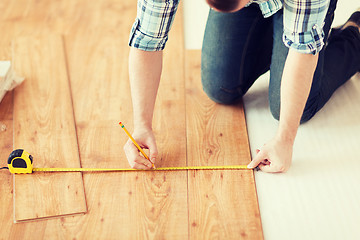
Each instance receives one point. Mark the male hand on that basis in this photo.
(273, 157)
(146, 140)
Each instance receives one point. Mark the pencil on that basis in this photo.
(136, 144)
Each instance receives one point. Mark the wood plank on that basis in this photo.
(222, 204)
(6, 131)
(44, 126)
(152, 205)
(6, 146)
(6, 107)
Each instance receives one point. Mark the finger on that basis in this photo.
(271, 168)
(132, 155)
(258, 159)
(153, 150)
(266, 162)
(131, 150)
(266, 168)
(140, 166)
(143, 161)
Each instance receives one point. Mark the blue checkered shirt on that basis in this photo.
(303, 23)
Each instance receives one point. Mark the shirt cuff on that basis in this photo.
(145, 42)
(310, 42)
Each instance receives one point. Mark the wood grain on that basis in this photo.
(222, 204)
(143, 205)
(134, 205)
(44, 126)
(6, 146)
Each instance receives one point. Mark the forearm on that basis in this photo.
(295, 87)
(144, 73)
(276, 155)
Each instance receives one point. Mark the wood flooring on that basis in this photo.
(44, 125)
(221, 203)
(73, 55)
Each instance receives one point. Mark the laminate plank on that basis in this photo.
(6, 146)
(222, 204)
(44, 126)
(144, 205)
(6, 132)
(6, 212)
(6, 108)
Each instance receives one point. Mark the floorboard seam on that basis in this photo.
(73, 112)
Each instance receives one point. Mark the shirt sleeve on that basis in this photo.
(303, 24)
(152, 24)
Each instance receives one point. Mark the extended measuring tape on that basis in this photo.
(21, 161)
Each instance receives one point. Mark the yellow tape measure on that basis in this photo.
(21, 161)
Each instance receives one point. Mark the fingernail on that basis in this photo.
(153, 159)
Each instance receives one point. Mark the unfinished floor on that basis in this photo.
(73, 55)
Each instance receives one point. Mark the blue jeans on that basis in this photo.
(239, 47)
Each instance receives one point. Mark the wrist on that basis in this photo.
(142, 120)
(142, 126)
(286, 136)
(287, 130)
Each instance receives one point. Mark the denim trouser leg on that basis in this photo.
(236, 51)
(338, 61)
(278, 59)
(342, 61)
(239, 47)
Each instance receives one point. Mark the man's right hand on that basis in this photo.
(146, 140)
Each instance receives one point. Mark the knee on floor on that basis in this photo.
(221, 95)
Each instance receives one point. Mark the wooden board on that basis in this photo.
(44, 126)
(6, 131)
(131, 205)
(6, 146)
(222, 204)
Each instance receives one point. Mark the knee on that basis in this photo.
(218, 95)
(216, 92)
(220, 76)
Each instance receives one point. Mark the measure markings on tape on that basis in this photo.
(21, 161)
(230, 167)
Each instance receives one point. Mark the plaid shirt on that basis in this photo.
(303, 23)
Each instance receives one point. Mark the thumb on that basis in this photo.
(258, 159)
(266, 168)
